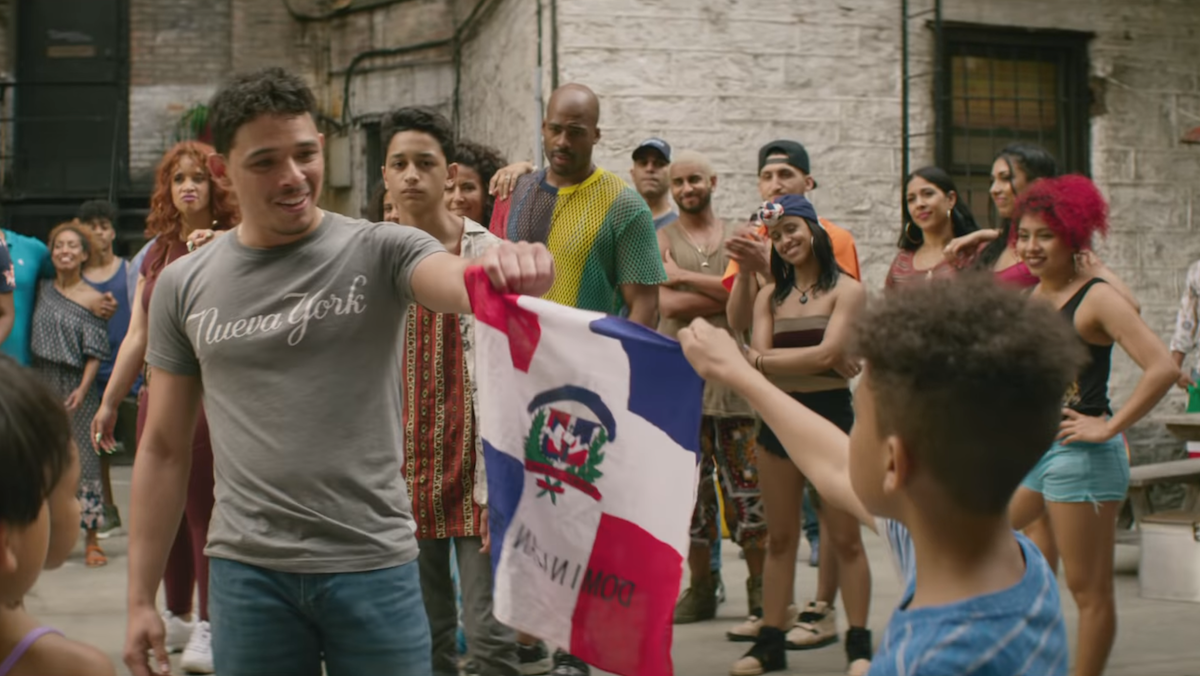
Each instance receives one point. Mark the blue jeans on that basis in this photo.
(268, 623)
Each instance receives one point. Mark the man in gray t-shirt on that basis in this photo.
(289, 327)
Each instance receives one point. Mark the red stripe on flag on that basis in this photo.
(563, 476)
(622, 619)
(501, 312)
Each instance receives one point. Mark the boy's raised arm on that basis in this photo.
(814, 444)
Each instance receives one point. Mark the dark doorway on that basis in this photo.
(69, 122)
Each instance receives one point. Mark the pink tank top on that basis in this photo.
(1017, 275)
(23, 647)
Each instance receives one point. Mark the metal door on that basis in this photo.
(69, 135)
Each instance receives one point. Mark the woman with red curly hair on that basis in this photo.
(1081, 481)
(187, 209)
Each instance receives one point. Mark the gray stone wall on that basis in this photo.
(384, 82)
(496, 93)
(1146, 58)
(725, 76)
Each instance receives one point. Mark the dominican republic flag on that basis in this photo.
(591, 434)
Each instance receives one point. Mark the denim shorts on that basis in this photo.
(1082, 472)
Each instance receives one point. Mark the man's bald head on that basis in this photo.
(693, 181)
(576, 100)
(690, 161)
(569, 132)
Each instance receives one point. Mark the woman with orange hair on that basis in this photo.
(187, 210)
(68, 343)
(1081, 481)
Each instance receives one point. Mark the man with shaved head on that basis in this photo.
(694, 255)
(600, 233)
(598, 229)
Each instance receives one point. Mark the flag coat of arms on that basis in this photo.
(590, 428)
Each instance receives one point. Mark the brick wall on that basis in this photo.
(725, 76)
(262, 33)
(178, 51)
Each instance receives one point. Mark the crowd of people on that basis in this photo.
(309, 467)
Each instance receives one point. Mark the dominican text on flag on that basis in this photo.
(590, 427)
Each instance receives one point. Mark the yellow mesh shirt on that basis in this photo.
(600, 232)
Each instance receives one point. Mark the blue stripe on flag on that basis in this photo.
(664, 389)
(505, 480)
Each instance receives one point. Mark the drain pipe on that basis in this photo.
(553, 44)
(538, 106)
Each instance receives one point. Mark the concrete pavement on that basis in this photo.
(1155, 638)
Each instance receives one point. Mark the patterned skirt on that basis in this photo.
(63, 380)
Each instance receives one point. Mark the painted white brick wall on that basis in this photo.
(725, 76)
(1147, 56)
(496, 94)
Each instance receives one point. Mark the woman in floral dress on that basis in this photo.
(68, 343)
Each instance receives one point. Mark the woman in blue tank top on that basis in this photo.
(1081, 481)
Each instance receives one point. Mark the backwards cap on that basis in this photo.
(787, 205)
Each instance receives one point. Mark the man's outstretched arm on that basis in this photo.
(513, 267)
(814, 444)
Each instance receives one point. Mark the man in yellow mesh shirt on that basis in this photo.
(598, 229)
(601, 235)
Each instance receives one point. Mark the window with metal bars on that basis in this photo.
(1002, 85)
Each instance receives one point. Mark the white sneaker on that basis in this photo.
(179, 631)
(197, 656)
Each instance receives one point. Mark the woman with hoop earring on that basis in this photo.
(933, 216)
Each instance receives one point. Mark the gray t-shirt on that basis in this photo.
(296, 348)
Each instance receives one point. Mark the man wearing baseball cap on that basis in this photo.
(783, 169)
(649, 173)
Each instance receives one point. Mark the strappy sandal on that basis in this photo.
(768, 654)
(94, 557)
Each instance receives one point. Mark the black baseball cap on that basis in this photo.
(654, 143)
(797, 156)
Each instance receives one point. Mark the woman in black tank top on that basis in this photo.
(1081, 480)
(801, 324)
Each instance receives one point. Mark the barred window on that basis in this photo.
(1002, 85)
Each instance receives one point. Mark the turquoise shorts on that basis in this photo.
(1082, 472)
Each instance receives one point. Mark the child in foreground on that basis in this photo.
(960, 396)
(39, 523)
